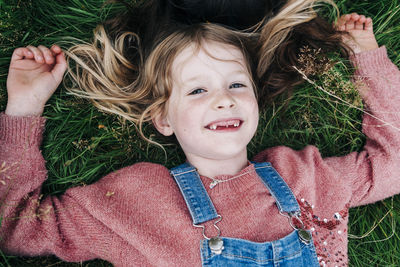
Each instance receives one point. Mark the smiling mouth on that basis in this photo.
(225, 125)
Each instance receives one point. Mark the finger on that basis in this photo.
(55, 49)
(359, 24)
(350, 25)
(341, 27)
(340, 24)
(60, 67)
(355, 16)
(368, 24)
(37, 54)
(21, 53)
(47, 54)
(342, 20)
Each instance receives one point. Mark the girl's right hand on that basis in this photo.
(34, 75)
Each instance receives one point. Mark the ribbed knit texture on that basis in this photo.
(136, 216)
(22, 130)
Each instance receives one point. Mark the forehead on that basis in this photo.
(193, 60)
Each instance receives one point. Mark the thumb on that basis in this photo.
(59, 68)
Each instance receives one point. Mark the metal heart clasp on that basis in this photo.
(216, 245)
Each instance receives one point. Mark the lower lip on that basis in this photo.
(224, 129)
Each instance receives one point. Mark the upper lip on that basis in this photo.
(227, 121)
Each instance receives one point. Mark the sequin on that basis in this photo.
(325, 232)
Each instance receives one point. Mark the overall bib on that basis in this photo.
(296, 249)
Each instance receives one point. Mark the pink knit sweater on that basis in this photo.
(136, 216)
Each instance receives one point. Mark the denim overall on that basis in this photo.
(296, 249)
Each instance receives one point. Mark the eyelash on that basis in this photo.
(196, 91)
(241, 85)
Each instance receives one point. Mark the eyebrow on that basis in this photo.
(201, 76)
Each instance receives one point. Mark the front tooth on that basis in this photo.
(213, 127)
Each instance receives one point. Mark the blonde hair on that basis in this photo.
(103, 74)
(276, 30)
(137, 90)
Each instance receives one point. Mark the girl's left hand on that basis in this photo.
(361, 32)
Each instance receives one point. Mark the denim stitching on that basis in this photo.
(266, 260)
(282, 183)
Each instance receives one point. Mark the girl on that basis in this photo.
(289, 22)
(203, 92)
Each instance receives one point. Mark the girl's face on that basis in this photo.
(212, 109)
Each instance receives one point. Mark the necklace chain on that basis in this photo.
(217, 181)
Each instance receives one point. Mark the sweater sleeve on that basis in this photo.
(360, 177)
(30, 225)
(378, 164)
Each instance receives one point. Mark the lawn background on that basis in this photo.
(81, 144)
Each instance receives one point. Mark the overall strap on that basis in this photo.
(278, 188)
(199, 203)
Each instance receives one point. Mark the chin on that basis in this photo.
(226, 153)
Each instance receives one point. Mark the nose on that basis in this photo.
(224, 99)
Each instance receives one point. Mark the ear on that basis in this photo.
(162, 125)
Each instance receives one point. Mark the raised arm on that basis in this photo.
(31, 225)
(377, 165)
(373, 173)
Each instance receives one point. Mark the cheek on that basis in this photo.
(254, 104)
(250, 102)
(182, 120)
(188, 120)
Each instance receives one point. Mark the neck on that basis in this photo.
(212, 167)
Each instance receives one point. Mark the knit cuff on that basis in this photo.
(21, 130)
(370, 61)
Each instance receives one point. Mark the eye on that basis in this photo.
(197, 91)
(236, 85)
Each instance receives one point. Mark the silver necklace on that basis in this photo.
(217, 181)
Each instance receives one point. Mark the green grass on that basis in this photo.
(77, 151)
